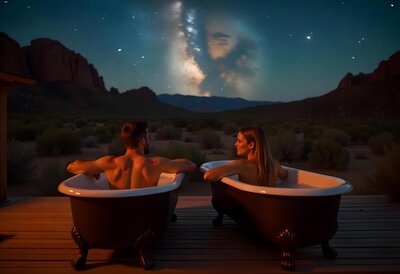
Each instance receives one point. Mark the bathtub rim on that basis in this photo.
(64, 188)
(342, 188)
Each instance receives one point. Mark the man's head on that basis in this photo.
(134, 134)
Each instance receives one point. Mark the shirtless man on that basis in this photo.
(133, 169)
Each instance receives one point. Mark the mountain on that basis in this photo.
(209, 104)
(373, 95)
(67, 84)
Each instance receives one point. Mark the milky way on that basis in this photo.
(265, 50)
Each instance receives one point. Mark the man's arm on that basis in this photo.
(173, 166)
(91, 167)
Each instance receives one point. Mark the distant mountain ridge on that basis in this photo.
(209, 104)
(364, 96)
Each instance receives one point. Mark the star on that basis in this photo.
(392, 5)
(5, 2)
(119, 49)
(352, 57)
(142, 56)
(308, 37)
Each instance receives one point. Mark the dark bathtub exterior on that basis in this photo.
(289, 221)
(122, 222)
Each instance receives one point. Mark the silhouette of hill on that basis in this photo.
(364, 96)
(209, 104)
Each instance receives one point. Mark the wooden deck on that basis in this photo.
(35, 238)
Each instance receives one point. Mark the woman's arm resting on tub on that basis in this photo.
(91, 167)
(215, 174)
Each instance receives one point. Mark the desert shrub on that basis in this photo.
(69, 141)
(20, 164)
(313, 131)
(104, 134)
(46, 143)
(19, 131)
(386, 176)
(116, 147)
(81, 123)
(55, 141)
(285, 146)
(361, 156)
(51, 176)
(329, 155)
(208, 139)
(379, 143)
(175, 150)
(90, 141)
(168, 132)
(230, 128)
(336, 135)
(359, 134)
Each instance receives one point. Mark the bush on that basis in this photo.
(116, 147)
(336, 135)
(285, 146)
(168, 132)
(104, 134)
(230, 128)
(381, 142)
(51, 176)
(55, 141)
(20, 165)
(386, 176)
(359, 134)
(313, 132)
(329, 155)
(91, 141)
(208, 139)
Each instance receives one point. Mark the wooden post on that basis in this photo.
(6, 81)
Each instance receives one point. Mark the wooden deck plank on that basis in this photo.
(35, 238)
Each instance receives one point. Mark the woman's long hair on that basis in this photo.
(264, 160)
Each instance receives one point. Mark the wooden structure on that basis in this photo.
(35, 238)
(6, 81)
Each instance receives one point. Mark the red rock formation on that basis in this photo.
(385, 69)
(50, 61)
(143, 93)
(12, 57)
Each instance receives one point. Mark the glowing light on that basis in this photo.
(392, 5)
(308, 37)
(133, 17)
(143, 57)
(352, 57)
(119, 49)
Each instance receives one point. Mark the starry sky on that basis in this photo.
(272, 50)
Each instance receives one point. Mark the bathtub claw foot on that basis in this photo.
(288, 241)
(329, 252)
(173, 218)
(79, 261)
(144, 243)
(218, 220)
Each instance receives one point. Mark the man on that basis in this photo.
(133, 169)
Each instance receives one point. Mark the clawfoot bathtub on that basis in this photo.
(302, 210)
(111, 219)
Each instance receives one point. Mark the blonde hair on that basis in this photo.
(265, 162)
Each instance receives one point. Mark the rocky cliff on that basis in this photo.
(48, 61)
(386, 69)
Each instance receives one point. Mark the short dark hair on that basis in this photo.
(132, 132)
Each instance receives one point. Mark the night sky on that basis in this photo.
(279, 50)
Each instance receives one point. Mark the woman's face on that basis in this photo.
(241, 145)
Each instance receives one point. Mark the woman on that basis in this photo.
(259, 167)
